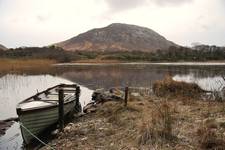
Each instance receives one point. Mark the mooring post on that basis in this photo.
(77, 94)
(126, 96)
(61, 109)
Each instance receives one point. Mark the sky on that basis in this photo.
(44, 22)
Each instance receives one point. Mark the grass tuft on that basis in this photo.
(159, 129)
(209, 139)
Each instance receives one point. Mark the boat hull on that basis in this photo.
(36, 121)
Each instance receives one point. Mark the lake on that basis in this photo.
(16, 86)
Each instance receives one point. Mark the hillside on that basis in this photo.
(2, 47)
(117, 37)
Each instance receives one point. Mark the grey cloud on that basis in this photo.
(170, 2)
(42, 18)
(121, 5)
(205, 27)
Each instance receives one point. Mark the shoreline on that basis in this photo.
(142, 63)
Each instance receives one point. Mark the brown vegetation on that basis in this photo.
(150, 122)
(97, 60)
(147, 123)
(160, 129)
(171, 88)
(15, 65)
(209, 139)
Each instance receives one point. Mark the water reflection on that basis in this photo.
(216, 83)
(12, 138)
(15, 88)
(135, 75)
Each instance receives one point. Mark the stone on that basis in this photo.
(210, 123)
(100, 96)
(135, 94)
(84, 139)
(55, 132)
(67, 129)
(221, 122)
(4, 125)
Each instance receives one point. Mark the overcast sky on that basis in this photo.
(43, 22)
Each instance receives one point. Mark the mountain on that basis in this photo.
(2, 47)
(117, 37)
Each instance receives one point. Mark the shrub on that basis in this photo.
(169, 87)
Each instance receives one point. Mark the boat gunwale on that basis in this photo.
(20, 111)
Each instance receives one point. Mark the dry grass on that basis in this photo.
(97, 61)
(209, 139)
(160, 129)
(148, 123)
(11, 65)
(171, 88)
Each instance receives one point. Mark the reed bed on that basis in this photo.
(10, 65)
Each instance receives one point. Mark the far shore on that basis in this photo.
(141, 63)
(8, 65)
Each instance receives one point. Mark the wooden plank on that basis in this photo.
(126, 96)
(61, 109)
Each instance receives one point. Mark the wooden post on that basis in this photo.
(77, 94)
(126, 96)
(61, 109)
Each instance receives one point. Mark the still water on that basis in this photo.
(18, 86)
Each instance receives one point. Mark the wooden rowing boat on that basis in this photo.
(40, 111)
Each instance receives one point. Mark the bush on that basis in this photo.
(169, 87)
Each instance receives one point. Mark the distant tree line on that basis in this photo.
(51, 52)
(197, 53)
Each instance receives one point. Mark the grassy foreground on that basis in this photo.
(148, 123)
(11, 65)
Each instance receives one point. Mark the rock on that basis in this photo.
(79, 115)
(214, 123)
(135, 94)
(100, 95)
(84, 139)
(55, 132)
(67, 129)
(133, 148)
(210, 123)
(4, 125)
(221, 122)
(89, 107)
